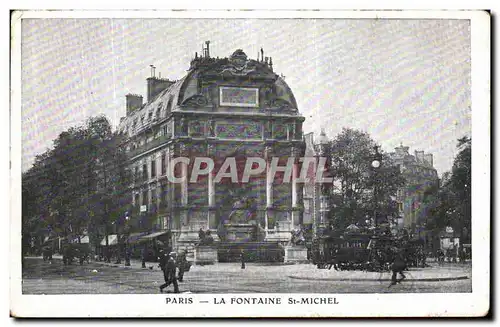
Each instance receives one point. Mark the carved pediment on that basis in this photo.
(238, 65)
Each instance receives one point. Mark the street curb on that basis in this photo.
(442, 279)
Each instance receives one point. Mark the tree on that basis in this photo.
(450, 203)
(460, 188)
(80, 184)
(352, 197)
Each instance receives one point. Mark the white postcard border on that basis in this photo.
(351, 305)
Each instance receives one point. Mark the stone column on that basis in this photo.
(269, 186)
(211, 189)
(295, 213)
(184, 187)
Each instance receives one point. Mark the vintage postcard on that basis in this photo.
(250, 164)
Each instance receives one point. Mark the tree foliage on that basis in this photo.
(79, 184)
(360, 190)
(451, 202)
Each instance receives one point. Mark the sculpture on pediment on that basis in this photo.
(280, 103)
(197, 100)
(272, 100)
(238, 64)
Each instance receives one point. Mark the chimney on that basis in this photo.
(429, 159)
(156, 86)
(419, 155)
(134, 102)
(402, 151)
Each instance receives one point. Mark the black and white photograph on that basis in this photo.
(258, 163)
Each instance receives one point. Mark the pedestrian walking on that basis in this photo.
(440, 255)
(168, 266)
(181, 264)
(242, 257)
(128, 254)
(398, 266)
(144, 254)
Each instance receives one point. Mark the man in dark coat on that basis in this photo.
(168, 266)
(242, 257)
(398, 266)
(144, 254)
(67, 254)
(181, 264)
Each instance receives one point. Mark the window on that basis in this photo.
(136, 175)
(153, 196)
(153, 168)
(144, 172)
(150, 116)
(169, 105)
(145, 199)
(136, 199)
(163, 164)
(164, 196)
(158, 110)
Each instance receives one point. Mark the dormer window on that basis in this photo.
(169, 105)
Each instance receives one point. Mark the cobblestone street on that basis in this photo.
(41, 277)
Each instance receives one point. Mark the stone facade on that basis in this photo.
(230, 107)
(420, 174)
(315, 199)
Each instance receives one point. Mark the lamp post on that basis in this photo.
(127, 234)
(376, 163)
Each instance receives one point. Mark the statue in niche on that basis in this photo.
(183, 127)
(244, 211)
(211, 128)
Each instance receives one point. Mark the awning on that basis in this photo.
(83, 239)
(352, 227)
(136, 237)
(153, 235)
(112, 240)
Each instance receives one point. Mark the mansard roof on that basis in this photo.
(237, 70)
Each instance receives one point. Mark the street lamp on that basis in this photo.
(376, 163)
(127, 234)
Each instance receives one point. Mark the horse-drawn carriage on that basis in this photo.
(79, 251)
(341, 252)
(363, 251)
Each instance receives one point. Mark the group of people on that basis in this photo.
(173, 267)
(452, 254)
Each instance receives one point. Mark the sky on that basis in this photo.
(402, 81)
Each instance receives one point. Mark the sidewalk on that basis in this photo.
(134, 263)
(433, 273)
